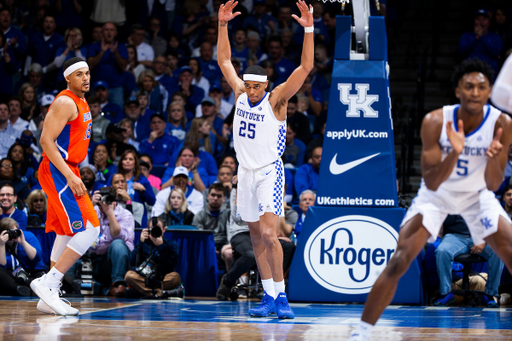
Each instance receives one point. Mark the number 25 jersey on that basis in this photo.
(468, 175)
(260, 139)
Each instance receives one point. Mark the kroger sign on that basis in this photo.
(347, 254)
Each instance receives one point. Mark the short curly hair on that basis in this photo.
(472, 65)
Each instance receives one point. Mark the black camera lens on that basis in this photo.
(13, 234)
(156, 232)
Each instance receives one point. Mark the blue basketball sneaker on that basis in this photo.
(489, 301)
(266, 307)
(446, 300)
(283, 308)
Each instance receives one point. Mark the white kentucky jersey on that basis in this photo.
(260, 139)
(468, 175)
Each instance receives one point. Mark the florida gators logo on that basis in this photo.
(77, 225)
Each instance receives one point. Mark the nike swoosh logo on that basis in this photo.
(268, 173)
(338, 169)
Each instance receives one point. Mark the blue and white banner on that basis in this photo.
(358, 162)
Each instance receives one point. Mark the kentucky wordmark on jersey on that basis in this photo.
(260, 139)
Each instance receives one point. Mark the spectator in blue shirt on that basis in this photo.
(176, 121)
(141, 123)
(295, 149)
(284, 66)
(307, 175)
(7, 199)
(209, 66)
(24, 251)
(481, 43)
(17, 40)
(157, 94)
(74, 48)
(110, 110)
(201, 132)
(8, 66)
(159, 145)
(307, 199)
(169, 83)
(259, 20)
(43, 47)
(8, 173)
(194, 93)
(107, 60)
(206, 161)
(197, 175)
(21, 163)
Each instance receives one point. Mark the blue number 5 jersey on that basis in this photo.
(469, 173)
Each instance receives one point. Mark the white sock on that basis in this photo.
(268, 286)
(364, 329)
(278, 287)
(243, 279)
(53, 277)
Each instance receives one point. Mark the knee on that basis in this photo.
(443, 253)
(118, 248)
(269, 238)
(129, 276)
(398, 264)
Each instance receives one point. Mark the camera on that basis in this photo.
(21, 276)
(13, 233)
(108, 195)
(154, 231)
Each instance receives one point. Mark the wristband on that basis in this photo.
(310, 29)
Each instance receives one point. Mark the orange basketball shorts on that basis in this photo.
(67, 214)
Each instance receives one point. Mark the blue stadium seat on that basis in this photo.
(181, 227)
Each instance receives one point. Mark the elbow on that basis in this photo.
(493, 187)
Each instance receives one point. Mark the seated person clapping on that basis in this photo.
(21, 259)
(176, 212)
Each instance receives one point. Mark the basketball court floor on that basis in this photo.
(190, 319)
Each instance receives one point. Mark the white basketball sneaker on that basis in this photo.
(50, 296)
(44, 308)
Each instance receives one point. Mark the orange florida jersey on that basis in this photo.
(73, 141)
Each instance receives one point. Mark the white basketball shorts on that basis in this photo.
(480, 210)
(259, 191)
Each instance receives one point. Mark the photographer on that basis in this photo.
(21, 259)
(123, 198)
(155, 259)
(114, 243)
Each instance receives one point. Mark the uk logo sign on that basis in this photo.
(358, 103)
(347, 254)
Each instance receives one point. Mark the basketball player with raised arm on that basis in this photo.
(259, 133)
(462, 162)
(71, 215)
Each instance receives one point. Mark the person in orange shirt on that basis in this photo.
(65, 140)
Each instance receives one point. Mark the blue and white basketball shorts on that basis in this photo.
(259, 191)
(481, 211)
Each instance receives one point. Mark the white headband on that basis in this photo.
(74, 67)
(255, 78)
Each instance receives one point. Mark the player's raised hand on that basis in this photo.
(226, 11)
(496, 146)
(456, 137)
(306, 14)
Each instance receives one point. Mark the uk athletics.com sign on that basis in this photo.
(358, 164)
